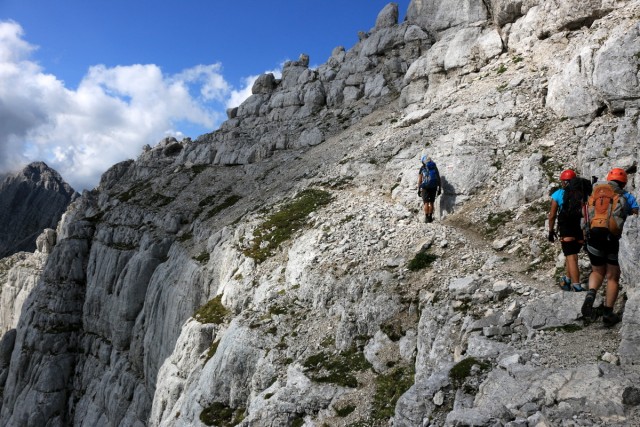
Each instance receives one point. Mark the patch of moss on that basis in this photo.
(133, 191)
(389, 388)
(160, 199)
(337, 368)
(207, 201)
(277, 310)
(343, 412)
(212, 350)
(461, 370)
(122, 246)
(227, 203)
(185, 237)
(198, 169)
(203, 257)
(212, 312)
(501, 69)
(393, 330)
(297, 421)
(281, 225)
(220, 415)
(422, 260)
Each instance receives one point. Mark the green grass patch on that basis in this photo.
(160, 200)
(501, 69)
(277, 310)
(185, 237)
(389, 388)
(226, 203)
(422, 260)
(212, 312)
(133, 191)
(220, 415)
(461, 370)
(202, 258)
(496, 220)
(281, 225)
(212, 350)
(393, 330)
(336, 368)
(343, 412)
(198, 169)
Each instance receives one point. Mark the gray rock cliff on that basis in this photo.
(278, 272)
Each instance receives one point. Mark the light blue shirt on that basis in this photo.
(558, 195)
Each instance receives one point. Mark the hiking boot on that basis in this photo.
(587, 306)
(609, 318)
(426, 218)
(577, 287)
(566, 287)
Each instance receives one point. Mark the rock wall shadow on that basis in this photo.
(447, 200)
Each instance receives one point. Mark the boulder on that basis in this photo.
(388, 16)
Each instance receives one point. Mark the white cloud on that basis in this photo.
(107, 119)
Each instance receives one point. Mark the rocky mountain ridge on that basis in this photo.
(30, 201)
(290, 280)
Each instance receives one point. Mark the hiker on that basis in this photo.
(566, 206)
(607, 209)
(428, 186)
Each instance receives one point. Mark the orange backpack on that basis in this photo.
(607, 208)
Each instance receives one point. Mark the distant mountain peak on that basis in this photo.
(31, 200)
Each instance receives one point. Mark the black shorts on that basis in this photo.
(429, 195)
(603, 248)
(570, 229)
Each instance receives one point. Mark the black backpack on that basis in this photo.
(576, 193)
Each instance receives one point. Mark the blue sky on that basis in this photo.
(85, 84)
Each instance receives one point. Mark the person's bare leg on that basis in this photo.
(571, 264)
(597, 276)
(613, 285)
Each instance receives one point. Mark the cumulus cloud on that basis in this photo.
(112, 113)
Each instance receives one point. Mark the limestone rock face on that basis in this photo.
(279, 271)
(30, 201)
(439, 15)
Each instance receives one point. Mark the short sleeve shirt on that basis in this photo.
(557, 196)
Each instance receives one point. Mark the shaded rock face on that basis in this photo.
(289, 280)
(30, 201)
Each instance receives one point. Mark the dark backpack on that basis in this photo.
(429, 176)
(576, 194)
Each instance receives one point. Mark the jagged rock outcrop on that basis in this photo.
(278, 272)
(30, 201)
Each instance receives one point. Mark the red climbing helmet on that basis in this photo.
(617, 174)
(566, 175)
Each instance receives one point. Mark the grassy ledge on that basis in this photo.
(281, 225)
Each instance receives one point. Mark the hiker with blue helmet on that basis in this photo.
(428, 186)
(567, 205)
